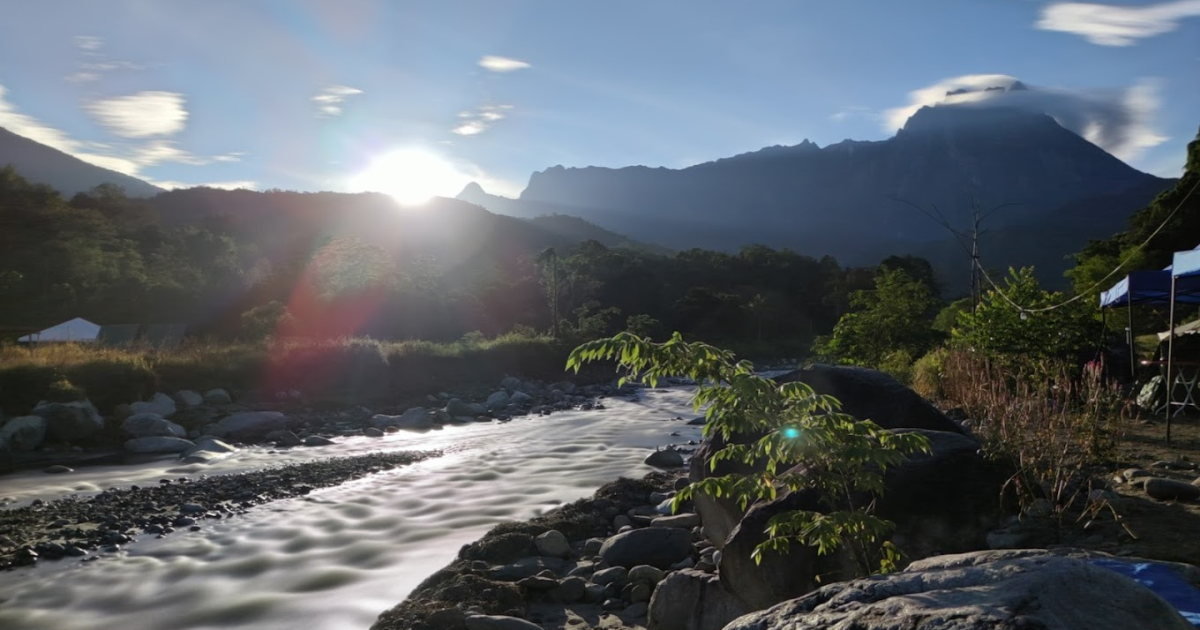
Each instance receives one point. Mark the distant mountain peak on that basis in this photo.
(472, 189)
(64, 172)
(958, 115)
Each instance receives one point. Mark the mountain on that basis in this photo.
(66, 174)
(845, 199)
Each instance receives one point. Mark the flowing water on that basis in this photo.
(337, 557)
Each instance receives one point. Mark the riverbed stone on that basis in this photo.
(611, 575)
(210, 443)
(693, 600)
(666, 458)
(646, 574)
(148, 424)
(571, 589)
(986, 590)
(217, 397)
(159, 403)
(57, 469)
(23, 433)
(458, 407)
(414, 419)
(283, 437)
(499, 622)
(70, 421)
(317, 440)
(157, 444)
(681, 521)
(553, 543)
(252, 424)
(1171, 490)
(657, 546)
(372, 432)
(498, 400)
(189, 398)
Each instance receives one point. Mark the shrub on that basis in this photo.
(927, 374)
(898, 363)
(22, 386)
(844, 458)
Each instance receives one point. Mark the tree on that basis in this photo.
(548, 259)
(1001, 330)
(844, 458)
(895, 316)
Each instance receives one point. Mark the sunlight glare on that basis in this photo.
(411, 176)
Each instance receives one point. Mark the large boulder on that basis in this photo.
(252, 424)
(157, 444)
(189, 398)
(217, 397)
(151, 424)
(693, 600)
(209, 443)
(70, 421)
(160, 404)
(865, 394)
(656, 546)
(414, 419)
(498, 400)
(989, 590)
(942, 502)
(23, 433)
(457, 407)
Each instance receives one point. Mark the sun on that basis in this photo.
(410, 176)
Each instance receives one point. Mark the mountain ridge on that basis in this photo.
(65, 173)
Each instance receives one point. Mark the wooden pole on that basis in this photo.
(1132, 351)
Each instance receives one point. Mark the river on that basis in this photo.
(339, 556)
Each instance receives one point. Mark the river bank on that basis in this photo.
(338, 556)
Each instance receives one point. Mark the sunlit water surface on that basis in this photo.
(338, 557)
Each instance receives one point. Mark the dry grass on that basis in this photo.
(357, 368)
(1052, 425)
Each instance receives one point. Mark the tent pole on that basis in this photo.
(1132, 351)
(1170, 355)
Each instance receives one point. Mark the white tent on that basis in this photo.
(77, 330)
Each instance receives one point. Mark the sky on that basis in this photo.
(317, 95)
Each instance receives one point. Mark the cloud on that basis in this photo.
(1112, 25)
(229, 185)
(329, 100)
(127, 158)
(854, 111)
(477, 121)
(494, 63)
(89, 43)
(141, 115)
(81, 77)
(1117, 120)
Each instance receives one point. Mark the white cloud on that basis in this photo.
(494, 63)
(141, 115)
(329, 100)
(235, 156)
(81, 77)
(1119, 121)
(229, 185)
(88, 43)
(480, 120)
(1113, 25)
(853, 111)
(127, 158)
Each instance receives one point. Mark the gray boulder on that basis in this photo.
(317, 440)
(498, 400)
(414, 419)
(252, 424)
(499, 622)
(158, 444)
(70, 421)
(520, 398)
(189, 398)
(511, 383)
(151, 424)
(160, 404)
(988, 590)
(693, 600)
(942, 502)
(283, 437)
(201, 457)
(209, 443)
(1171, 490)
(666, 458)
(457, 407)
(553, 543)
(682, 521)
(23, 433)
(656, 546)
(217, 397)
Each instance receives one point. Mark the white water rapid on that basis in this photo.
(339, 556)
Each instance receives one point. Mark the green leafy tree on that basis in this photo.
(1001, 330)
(893, 317)
(844, 459)
(643, 325)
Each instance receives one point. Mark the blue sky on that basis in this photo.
(307, 95)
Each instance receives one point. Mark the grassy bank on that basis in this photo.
(355, 369)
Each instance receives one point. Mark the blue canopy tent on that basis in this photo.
(1185, 271)
(1148, 288)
